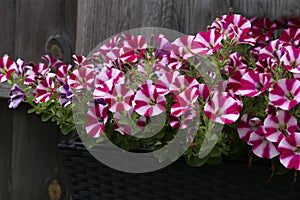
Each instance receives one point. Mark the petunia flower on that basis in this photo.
(16, 96)
(263, 29)
(291, 59)
(66, 95)
(163, 46)
(133, 49)
(37, 72)
(45, 89)
(272, 50)
(261, 146)
(52, 62)
(119, 98)
(148, 102)
(181, 83)
(254, 83)
(182, 47)
(163, 83)
(291, 36)
(7, 67)
(81, 78)
(62, 73)
(184, 120)
(285, 93)
(109, 51)
(222, 108)
(97, 117)
(247, 126)
(289, 149)
(206, 43)
(279, 126)
(82, 62)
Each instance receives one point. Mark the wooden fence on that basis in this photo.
(29, 28)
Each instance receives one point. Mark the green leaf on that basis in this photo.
(215, 152)
(31, 110)
(46, 116)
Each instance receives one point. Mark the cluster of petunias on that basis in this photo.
(131, 80)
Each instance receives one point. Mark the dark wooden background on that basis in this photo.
(28, 150)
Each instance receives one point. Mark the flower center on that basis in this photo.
(297, 150)
(282, 128)
(100, 119)
(152, 102)
(259, 86)
(265, 30)
(289, 96)
(120, 98)
(292, 40)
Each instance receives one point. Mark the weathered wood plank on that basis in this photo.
(267, 8)
(37, 20)
(4, 90)
(5, 150)
(7, 21)
(98, 20)
(34, 150)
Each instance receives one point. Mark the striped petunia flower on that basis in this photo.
(119, 98)
(97, 117)
(247, 126)
(182, 47)
(181, 83)
(7, 67)
(261, 146)
(82, 62)
(16, 96)
(44, 90)
(262, 30)
(272, 50)
(285, 93)
(52, 62)
(184, 120)
(148, 102)
(254, 83)
(291, 36)
(206, 43)
(62, 73)
(163, 46)
(291, 59)
(81, 78)
(223, 23)
(37, 72)
(133, 49)
(163, 83)
(66, 95)
(222, 108)
(204, 91)
(289, 149)
(186, 100)
(279, 126)
(109, 51)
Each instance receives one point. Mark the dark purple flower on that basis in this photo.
(66, 95)
(17, 95)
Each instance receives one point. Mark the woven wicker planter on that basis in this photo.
(89, 179)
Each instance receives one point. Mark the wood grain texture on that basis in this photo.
(100, 19)
(5, 150)
(7, 21)
(37, 20)
(267, 8)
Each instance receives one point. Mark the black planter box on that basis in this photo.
(91, 180)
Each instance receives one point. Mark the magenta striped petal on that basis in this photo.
(45, 89)
(182, 47)
(52, 62)
(273, 50)
(83, 62)
(133, 49)
(206, 43)
(164, 82)
(148, 102)
(120, 98)
(261, 146)
(254, 83)
(289, 149)
(222, 108)
(234, 19)
(263, 29)
(7, 67)
(279, 126)
(291, 36)
(204, 91)
(81, 78)
(247, 126)
(182, 83)
(285, 93)
(291, 59)
(39, 71)
(97, 117)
